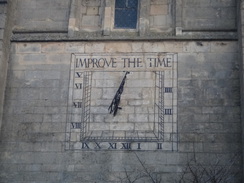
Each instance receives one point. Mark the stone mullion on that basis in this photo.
(178, 17)
(143, 17)
(74, 19)
(107, 18)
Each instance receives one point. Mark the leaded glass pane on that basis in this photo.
(120, 4)
(126, 14)
(132, 4)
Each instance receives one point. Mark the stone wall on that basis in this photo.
(97, 16)
(34, 129)
(240, 29)
(160, 16)
(91, 15)
(42, 16)
(6, 18)
(157, 19)
(3, 65)
(209, 15)
(184, 107)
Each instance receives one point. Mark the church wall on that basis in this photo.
(182, 109)
(209, 15)
(240, 30)
(33, 147)
(42, 16)
(6, 23)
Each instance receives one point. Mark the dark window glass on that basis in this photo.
(126, 14)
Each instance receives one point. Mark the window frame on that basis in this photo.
(142, 20)
(112, 25)
(137, 17)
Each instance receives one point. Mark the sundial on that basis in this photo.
(122, 101)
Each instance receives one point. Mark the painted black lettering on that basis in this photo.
(78, 74)
(133, 62)
(126, 146)
(161, 62)
(107, 63)
(73, 125)
(98, 145)
(125, 59)
(113, 62)
(101, 62)
(159, 146)
(112, 145)
(165, 62)
(85, 145)
(168, 89)
(81, 63)
(138, 145)
(76, 125)
(77, 104)
(139, 62)
(168, 62)
(94, 61)
(150, 63)
(168, 111)
(78, 85)
(89, 62)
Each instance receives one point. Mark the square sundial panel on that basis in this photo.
(122, 98)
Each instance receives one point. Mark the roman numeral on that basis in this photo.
(159, 146)
(77, 104)
(126, 146)
(78, 85)
(138, 145)
(76, 125)
(85, 145)
(98, 145)
(168, 89)
(168, 111)
(112, 146)
(78, 74)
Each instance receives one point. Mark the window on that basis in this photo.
(126, 14)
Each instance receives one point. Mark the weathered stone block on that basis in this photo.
(223, 3)
(159, 2)
(92, 3)
(197, 47)
(196, 3)
(29, 75)
(2, 21)
(3, 9)
(58, 58)
(173, 47)
(1, 34)
(75, 48)
(92, 10)
(159, 20)
(53, 47)
(37, 58)
(29, 48)
(115, 47)
(137, 47)
(153, 46)
(91, 48)
(40, 12)
(159, 10)
(138, 118)
(90, 20)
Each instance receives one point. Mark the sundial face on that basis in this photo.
(122, 101)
